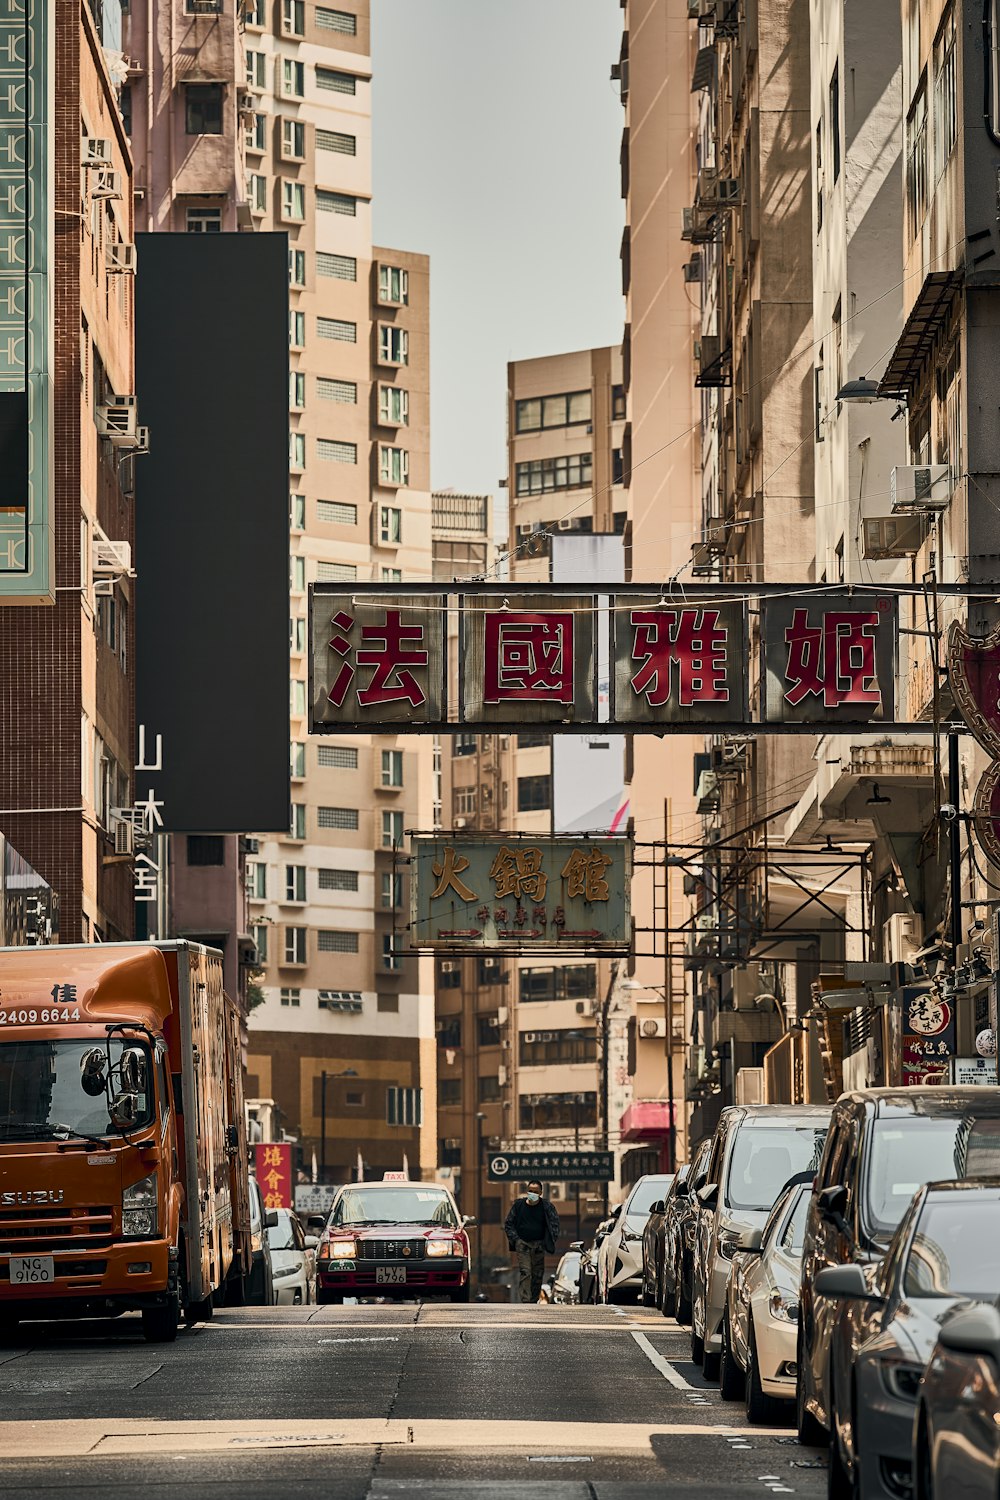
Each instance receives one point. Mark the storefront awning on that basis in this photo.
(927, 321)
(646, 1120)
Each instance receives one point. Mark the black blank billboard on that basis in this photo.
(211, 529)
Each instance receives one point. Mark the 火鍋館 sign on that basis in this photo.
(815, 659)
(520, 892)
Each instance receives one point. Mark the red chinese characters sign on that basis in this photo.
(274, 1173)
(928, 1038)
(828, 659)
(532, 659)
(674, 661)
(377, 663)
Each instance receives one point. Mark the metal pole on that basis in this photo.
(479, 1201)
(668, 999)
(322, 1128)
(576, 1144)
(955, 846)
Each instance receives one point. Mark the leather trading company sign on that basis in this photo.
(820, 659)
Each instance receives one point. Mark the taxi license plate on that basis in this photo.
(396, 1275)
(31, 1270)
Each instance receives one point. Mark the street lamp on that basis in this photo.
(655, 989)
(347, 1073)
(480, 1117)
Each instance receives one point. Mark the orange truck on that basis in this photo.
(123, 1177)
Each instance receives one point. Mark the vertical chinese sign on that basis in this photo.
(928, 1037)
(26, 245)
(829, 657)
(377, 659)
(533, 661)
(672, 660)
(274, 1173)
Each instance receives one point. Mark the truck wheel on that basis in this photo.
(159, 1324)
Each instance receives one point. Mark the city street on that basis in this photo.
(373, 1401)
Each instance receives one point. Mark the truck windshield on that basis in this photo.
(42, 1095)
(763, 1159)
(906, 1153)
(402, 1205)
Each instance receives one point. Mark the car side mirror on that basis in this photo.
(311, 1242)
(657, 1207)
(832, 1205)
(615, 1212)
(844, 1284)
(270, 1218)
(708, 1195)
(974, 1330)
(469, 1221)
(750, 1240)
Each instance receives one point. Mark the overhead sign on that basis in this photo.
(823, 659)
(314, 1197)
(550, 1166)
(515, 893)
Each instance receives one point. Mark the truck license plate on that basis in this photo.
(394, 1274)
(31, 1270)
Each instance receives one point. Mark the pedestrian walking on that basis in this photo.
(532, 1228)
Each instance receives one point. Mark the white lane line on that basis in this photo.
(376, 1339)
(664, 1366)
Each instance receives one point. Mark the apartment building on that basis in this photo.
(66, 766)
(343, 1039)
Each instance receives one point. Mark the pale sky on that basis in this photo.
(496, 140)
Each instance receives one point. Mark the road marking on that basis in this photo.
(560, 1458)
(664, 1366)
(378, 1338)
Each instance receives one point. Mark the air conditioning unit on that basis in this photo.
(687, 224)
(502, 1013)
(246, 103)
(921, 487)
(904, 935)
(122, 831)
(525, 528)
(106, 184)
(448, 967)
(461, 822)
(490, 965)
(652, 1026)
(528, 1037)
(116, 420)
(251, 846)
(96, 152)
(581, 1008)
(107, 557)
(121, 260)
(886, 537)
(141, 442)
(750, 1086)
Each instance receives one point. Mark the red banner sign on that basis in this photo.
(274, 1173)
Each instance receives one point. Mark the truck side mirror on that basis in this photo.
(124, 1111)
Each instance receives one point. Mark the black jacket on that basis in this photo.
(513, 1221)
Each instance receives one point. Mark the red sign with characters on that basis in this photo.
(674, 661)
(528, 657)
(274, 1173)
(828, 659)
(377, 660)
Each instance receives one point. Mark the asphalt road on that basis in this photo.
(372, 1402)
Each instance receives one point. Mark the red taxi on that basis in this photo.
(393, 1239)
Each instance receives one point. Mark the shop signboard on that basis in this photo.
(274, 1173)
(829, 657)
(550, 1166)
(928, 1036)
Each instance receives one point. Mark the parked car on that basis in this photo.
(957, 1440)
(293, 1260)
(394, 1239)
(679, 1237)
(260, 1282)
(652, 1252)
(760, 1326)
(656, 1240)
(566, 1283)
(882, 1146)
(619, 1260)
(946, 1250)
(588, 1259)
(756, 1150)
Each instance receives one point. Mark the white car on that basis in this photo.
(293, 1260)
(619, 1260)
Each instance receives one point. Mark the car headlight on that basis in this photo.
(728, 1243)
(445, 1247)
(900, 1379)
(343, 1249)
(139, 1209)
(785, 1309)
(283, 1271)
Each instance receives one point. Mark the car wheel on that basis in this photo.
(464, 1293)
(697, 1347)
(646, 1297)
(683, 1313)
(732, 1381)
(839, 1484)
(923, 1478)
(668, 1301)
(324, 1296)
(710, 1365)
(812, 1433)
(761, 1409)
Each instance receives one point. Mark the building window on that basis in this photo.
(393, 465)
(296, 268)
(202, 7)
(336, 513)
(393, 345)
(256, 70)
(393, 405)
(293, 78)
(488, 1028)
(488, 972)
(463, 744)
(835, 122)
(293, 143)
(564, 1046)
(945, 93)
(449, 1152)
(617, 403)
(404, 1106)
(344, 391)
(530, 739)
(256, 134)
(338, 880)
(337, 140)
(489, 1089)
(390, 525)
(553, 411)
(548, 1111)
(257, 192)
(336, 83)
(253, 13)
(392, 891)
(206, 849)
(392, 575)
(337, 817)
(449, 1090)
(297, 828)
(540, 475)
(256, 880)
(297, 759)
(341, 267)
(296, 450)
(295, 945)
(298, 575)
(343, 757)
(298, 703)
(292, 997)
(297, 631)
(293, 17)
(337, 329)
(916, 159)
(204, 221)
(392, 768)
(336, 572)
(295, 882)
(449, 975)
(258, 932)
(337, 942)
(565, 982)
(293, 200)
(336, 203)
(336, 20)
(392, 961)
(392, 829)
(534, 793)
(296, 390)
(393, 285)
(332, 451)
(464, 801)
(296, 330)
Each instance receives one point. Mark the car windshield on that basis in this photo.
(52, 1089)
(280, 1236)
(396, 1205)
(907, 1153)
(764, 1157)
(793, 1234)
(956, 1250)
(645, 1194)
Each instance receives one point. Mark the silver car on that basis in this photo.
(619, 1260)
(946, 1249)
(756, 1150)
(957, 1439)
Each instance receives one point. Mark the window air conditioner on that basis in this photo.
(106, 184)
(525, 528)
(652, 1026)
(904, 934)
(461, 822)
(96, 152)
(251, 846)
(687, 224)
(246, 104)
(528, 1037)
(692, 268)
(123, 832)
(109, 557)
(921, 487)
(116, 421)
(886, 537)
(121, 260)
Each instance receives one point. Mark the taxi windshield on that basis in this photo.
(395, 1205)
(44, 1093)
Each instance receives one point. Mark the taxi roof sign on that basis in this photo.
(395, 1176)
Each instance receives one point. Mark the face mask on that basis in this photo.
(532, 1197)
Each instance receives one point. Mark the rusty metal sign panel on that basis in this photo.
(514, 893)
(829, 658)
(376, 659)
(533, 659)
(677, 662)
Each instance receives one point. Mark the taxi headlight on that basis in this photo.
(139, 1209)
(343, 1250)
(445, 1247)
